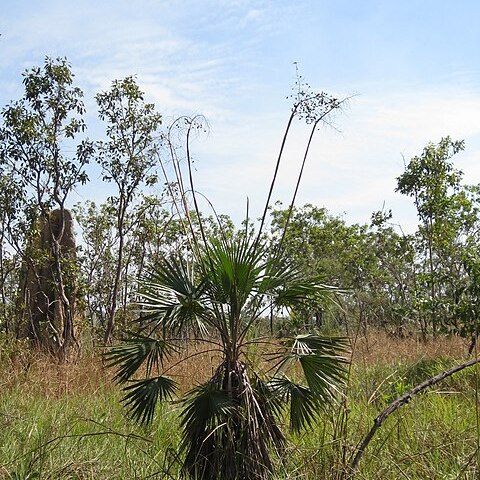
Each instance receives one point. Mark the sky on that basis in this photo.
(411, 67)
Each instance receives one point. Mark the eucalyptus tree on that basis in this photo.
(221, 292)
(446, 213)
(156, 232)
(151, 232)
(468, 305)
(392, 278)
(41, 154)
(317, 241)
(340, 254)
(127, 159)
(373, 261)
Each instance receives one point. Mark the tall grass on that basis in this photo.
(66, 421)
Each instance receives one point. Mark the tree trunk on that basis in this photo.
(118, 275)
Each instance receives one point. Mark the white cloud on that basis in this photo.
(353, 171)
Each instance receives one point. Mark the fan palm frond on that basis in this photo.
(204, 421)
(204, 407)
(321, 360)
(298, 290)
(172, 300)
(142, 396)
(308, 343)
(233, 270)
(304, 404)
(135, 352)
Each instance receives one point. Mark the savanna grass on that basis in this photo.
(66, 421)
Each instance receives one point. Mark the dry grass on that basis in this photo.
(40, 374)
(378, 348)
(195, 365)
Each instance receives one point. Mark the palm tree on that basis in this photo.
(220, 292)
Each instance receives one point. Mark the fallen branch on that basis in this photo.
(399, 402)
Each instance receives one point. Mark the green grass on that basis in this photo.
(435, 436)
(53, 427)
(80, 437)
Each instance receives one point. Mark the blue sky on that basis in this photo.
(414, 66)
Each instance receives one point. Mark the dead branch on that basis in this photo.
(399, 402)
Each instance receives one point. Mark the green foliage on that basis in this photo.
(84, 433)
(127, 160)
(34, 127)
(217, 292)
(448, 213)
(468, 296)
(137, 350)
(44, 154)
(232, 281)
(96, 255)
(142, 395)
(430, 179)
(129, 154)
(304, 405)
(405, 283)
(371, 262)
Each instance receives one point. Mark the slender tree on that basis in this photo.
(434, 184)
(127, 159)
(97, 259)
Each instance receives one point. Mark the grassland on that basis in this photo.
(66, 422)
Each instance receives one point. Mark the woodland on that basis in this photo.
(149, 336)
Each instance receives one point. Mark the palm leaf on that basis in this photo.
(304, 404)
(130, 356)
(299, 291)
(268, 396)
(204, 419)
(142, 396)
(321, 361)
(325, 375)
(233, 270)
(171, 300)
(205, 407)
(304, 344)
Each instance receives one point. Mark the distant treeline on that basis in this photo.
(427, 282)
